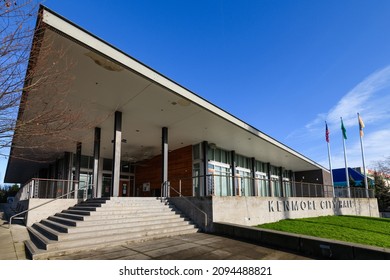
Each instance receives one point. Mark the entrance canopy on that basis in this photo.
(96, 79)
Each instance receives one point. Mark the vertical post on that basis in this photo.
(271, 193)
(344, 136)
(294, 183)
(234, 183)
(32, 185)
(205, 147)
(96, 159)
(253, 171)
(77, 168)
(281, 181)
(361, 126)
(164, 163)
(116, 157)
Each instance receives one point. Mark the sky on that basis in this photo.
(282, 66)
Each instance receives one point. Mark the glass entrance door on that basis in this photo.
(124, 188)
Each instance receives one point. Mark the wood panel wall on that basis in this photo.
(179, 167)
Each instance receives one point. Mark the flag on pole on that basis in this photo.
(361, 126)
(326, 132)
(343, 129)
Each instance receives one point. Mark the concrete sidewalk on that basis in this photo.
(196, 246)
(11, 239)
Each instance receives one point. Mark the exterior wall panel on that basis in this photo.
(179, 167)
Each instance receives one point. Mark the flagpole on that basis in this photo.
(361, 125)
(329, 157)
(345, 158)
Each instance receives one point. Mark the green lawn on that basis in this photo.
(356, 229)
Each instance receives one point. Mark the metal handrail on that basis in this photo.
(180, 194)
(47, 202)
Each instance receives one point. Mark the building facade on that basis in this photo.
(138, 130)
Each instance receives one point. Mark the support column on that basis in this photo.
(234, 183)
(164, 160)
(77, 168)
(116, 157)
(205, 167)
(68, 165)
(271, 193)
(96, 161)
(281, 181)
(253, 171)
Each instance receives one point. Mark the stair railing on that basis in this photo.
(47, 202)
(165, 187)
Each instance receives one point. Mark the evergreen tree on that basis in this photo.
(382, 192)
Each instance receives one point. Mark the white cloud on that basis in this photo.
(371, 98)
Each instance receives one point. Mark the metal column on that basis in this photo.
(164, 162)
(77, 169)
(96, 157)
(116, 157)
(234, 183)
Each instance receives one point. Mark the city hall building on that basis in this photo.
(134, 133)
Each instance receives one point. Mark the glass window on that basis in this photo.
(243, 162)
(196, 151)
(261, 184)
(125, 167)
(243, 182)
(261, 167)
(218, 155)
(197, 179)
(107, 164)
(219, 180)
(84, 162)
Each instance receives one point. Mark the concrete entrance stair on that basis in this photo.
(98, 223)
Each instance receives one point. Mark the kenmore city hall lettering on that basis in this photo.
(303, 205)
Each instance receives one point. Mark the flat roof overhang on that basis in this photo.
(103, 80)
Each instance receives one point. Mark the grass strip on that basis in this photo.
(355, 229)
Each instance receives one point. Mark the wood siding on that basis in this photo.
(179, 167)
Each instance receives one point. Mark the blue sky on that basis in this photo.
(282, 66)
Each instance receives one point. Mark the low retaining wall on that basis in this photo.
(46, 210)
(190, 207)
(252, 211)
(319, 248)
(260, 210)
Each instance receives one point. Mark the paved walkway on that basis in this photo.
(11, 240)
(197, 246)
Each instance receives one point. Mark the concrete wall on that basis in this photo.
(259, 210)
(190, 207)
(46, 210)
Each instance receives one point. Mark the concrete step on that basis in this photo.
(128, 230)
(118, 208)
(48, 232)
(119, 211)
(60, 227)
(110, 237)
(85, 215)
(105, 224)
(38, 238)
(113, 219)
(95, 231)
(36, 253)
